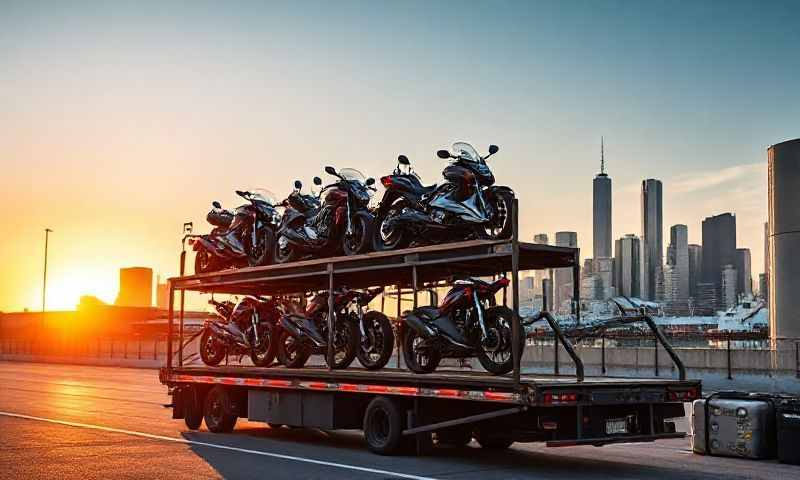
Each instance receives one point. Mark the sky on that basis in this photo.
(119, 121)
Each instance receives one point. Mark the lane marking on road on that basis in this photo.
(214, 445)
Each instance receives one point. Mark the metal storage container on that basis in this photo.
(734, 424)
(789, 432)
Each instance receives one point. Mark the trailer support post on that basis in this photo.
(400, 330)
(576, 287)
(180, 314)
(515, 322)
(603, 354)
(170, 319)
(330, 352)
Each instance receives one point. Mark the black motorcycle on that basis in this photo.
(358, 334)
(467, 206)
(248, 327)
(466, 324)
(302, 202)
(341, 224)
(240, 238)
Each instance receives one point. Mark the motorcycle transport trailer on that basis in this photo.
(399, 410)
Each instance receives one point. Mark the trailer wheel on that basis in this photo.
(383, 426)
(491, 442)
(192, 408)
(217, 410)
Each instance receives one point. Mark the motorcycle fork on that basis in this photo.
(254, 319)
(479, 309)
(349, 229)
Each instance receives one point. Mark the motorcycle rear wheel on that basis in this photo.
(346, 345)
(379, 328)
(388, 238)
(284, 255)
(501, 222)
(291, 352)
(212, 349)
(260, 255)
(204, 262)
(417, 361)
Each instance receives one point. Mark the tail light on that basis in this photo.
(683, 395)
(560, 398)
(386, 181)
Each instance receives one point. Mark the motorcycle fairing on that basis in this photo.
(469, 210)
(299, 325)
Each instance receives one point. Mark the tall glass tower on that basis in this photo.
(601, 211)
(652, 236)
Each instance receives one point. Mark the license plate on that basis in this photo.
(616, 425)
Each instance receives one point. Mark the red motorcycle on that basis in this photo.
(248, 327)
(466, 324)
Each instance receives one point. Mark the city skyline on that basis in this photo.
(123, 123)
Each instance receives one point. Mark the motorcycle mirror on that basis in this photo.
(493, 149)
(370, 182)
(317, 181)
(403, 160)
(298, 185)
(216, 204)
(443, 154)
(330, 171)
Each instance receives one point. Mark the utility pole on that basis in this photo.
(44, 283)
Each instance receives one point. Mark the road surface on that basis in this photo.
(79, 422)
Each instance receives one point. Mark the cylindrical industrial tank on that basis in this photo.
(784, 239)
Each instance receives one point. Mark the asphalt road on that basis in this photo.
(65, 422)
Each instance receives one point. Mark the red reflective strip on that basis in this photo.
(498, 395)
(377, 388)
(447, 393)
(318, 385)
(253, 382)
(279, 383)
(228, 381)
(348, 387)
(406, 390)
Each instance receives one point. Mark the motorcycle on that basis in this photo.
(248, 327)
(342, 223)
(366, 336)
(302, 202)
(466, 324)
(240, 238)
(468, 205)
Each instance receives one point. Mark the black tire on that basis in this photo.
(501, 222)
(204, 262)
(454, 437)
(192, 408)
(264, 353)
(386, 238)
(284, 255)
(381, 341)
(345, 343)
(291, 352)
(260, 255)
(361, 239)
(496, 356)
(212, 349)
(274, 426)
(383, 426)
(416, 361)
(218, 410)
(492, 442)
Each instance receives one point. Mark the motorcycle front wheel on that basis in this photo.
(501, 226)
(292, 352)
(212, 349)
(263, 354)
(203, 262)
(417, 359)
(388, 237)
(261, 253)
(375, 350)
(345, 342)
(360, 239)
(495, 352)
(284, 254)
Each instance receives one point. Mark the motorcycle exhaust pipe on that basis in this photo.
(419, 326)
(295, 329)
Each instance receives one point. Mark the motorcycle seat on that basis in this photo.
(428, 189)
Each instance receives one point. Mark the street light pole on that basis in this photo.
(44, 283)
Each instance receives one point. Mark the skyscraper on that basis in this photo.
(601, 211)
(728, 286)
(744, 279)
(652, 236)
(540, 275)
(719, 249)
(135, 287)
(764, 292)
(695, 268)
(562, 283)
(678, 258)
(628, 266)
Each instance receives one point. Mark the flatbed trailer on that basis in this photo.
(402, 411)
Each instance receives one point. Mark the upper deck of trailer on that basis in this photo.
(431, 263)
